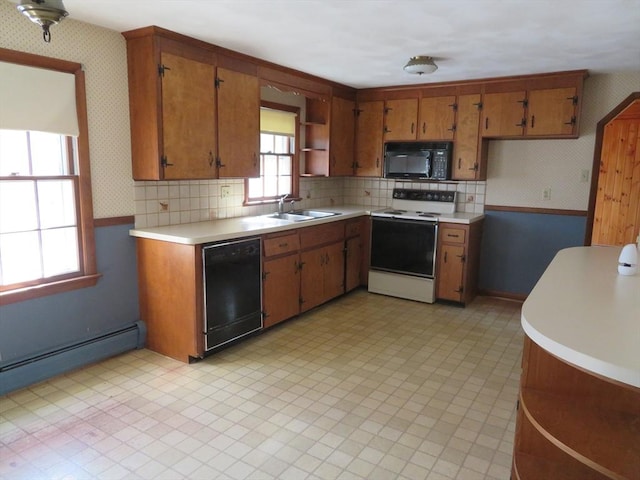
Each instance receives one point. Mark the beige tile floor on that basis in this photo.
(365, 387)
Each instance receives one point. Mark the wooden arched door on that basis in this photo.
(614, 204)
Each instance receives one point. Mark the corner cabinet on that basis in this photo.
(183, 124)
(458, 261)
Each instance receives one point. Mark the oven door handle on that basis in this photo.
(404, 220)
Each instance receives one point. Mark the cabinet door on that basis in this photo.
(503, 114)
(333, 271)
(450, 272)
(401, 118)
(353, 263)
(341, 139)
(280, 289)
(238, 124)
(188, 118)
(437, 118)
(466, 147)
(312, 278)
(552, 111)
(369, 138)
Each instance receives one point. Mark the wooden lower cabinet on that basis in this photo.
(280, 289)
(309, 266)
(355, 264)
(171, 297)
(458, 261)
(573, 425)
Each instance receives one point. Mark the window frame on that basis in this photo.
(87, 275)
(295, 159)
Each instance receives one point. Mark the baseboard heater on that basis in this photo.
(34, 369)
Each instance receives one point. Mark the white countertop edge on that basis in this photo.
(585, 362)
(242, 227)
(236, 227)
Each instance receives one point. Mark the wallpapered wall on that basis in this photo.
(102, 53)
(519, 170)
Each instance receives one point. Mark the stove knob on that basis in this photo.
(436, 197)
(429, 196)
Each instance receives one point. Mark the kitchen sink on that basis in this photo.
(292, 217)
(315, 213)
(298, 215)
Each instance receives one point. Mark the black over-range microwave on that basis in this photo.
(418, 160)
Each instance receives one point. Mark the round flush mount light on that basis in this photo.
(420, 65)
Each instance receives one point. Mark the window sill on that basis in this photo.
(37, 291)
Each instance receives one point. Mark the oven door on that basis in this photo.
(404, 246)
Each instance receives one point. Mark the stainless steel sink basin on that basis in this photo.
(314, 213)
(292, 217)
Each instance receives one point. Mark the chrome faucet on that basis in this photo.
(281, 204)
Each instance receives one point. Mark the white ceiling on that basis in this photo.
(365, 43)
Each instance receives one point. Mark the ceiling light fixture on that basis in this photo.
(43, 12)
(420, 65)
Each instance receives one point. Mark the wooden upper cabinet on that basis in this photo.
(172, 102)
(188, 118)
(369, 138)
(401, 119)
(552, 111)
(341, 137)
(466, 155)
(238, 124)
(503, 114)
(437, 118)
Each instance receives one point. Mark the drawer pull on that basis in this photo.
(452, 235)
(283, 245)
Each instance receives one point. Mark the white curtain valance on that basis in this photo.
(277, 121)
(37, 99)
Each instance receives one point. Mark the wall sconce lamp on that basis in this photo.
(43, 12)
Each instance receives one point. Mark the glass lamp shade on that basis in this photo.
(420, 65)
(628, 260)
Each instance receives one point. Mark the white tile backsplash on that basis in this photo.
(199, 200)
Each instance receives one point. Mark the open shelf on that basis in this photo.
(602, 439)
(572, 424)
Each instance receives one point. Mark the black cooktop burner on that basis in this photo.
(427, 214)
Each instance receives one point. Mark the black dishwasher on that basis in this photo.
(232, 290)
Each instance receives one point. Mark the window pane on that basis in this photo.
(60, 251)
(270, 165)
(48, 155)
(282, 144)
(284, 165)
(57, 203)
(17, 206)
(284, 187)
(255, 187)
(14, 154)
(20, 257)
(270, 186)
(266, 143)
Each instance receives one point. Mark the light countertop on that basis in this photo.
(584, 312)
(237, 227)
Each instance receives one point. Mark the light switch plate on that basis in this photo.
(225, 191)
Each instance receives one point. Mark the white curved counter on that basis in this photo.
(584, 312)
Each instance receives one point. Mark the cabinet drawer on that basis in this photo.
(453, 235)
(353, 229)
(282, 244)
(321, 234)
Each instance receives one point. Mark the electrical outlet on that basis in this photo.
(225, 191)
(546, 193)
(584, 176)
